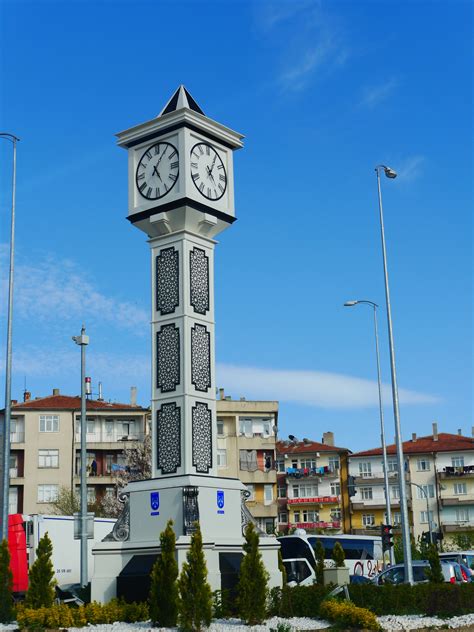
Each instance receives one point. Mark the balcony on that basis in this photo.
(453, 472)
(375, 479)
(258, 476)
(376, 503)
(312, 472)
(457, 526)
(97, 439)
(260, 510)
(464, 499)
(316, 525)
(17, 437)
(316, 500)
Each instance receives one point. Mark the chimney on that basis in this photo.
(26, 396)
(413, 436)
(221, 393)
(100, 398)
(328, 438)
(460, 432)
(472, 431)
(55, 392)
(435, 431)
(14, 402)
(133, 395)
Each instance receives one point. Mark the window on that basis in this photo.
(268, 494)
(365, 469)
(397, 518)
(309, 463)
(366, 493)
(281, 491)
(90, 426)
(368, 520)
(395, 491)
(457, 461)
(304, 491)
(296, 516)
(460, 488)
(109, 461)
(47, 493)
(109, 429)
(423, 465)
(336, 514)
(248, 460)
(283, 517)
(333, 463)
(392, 465)
(335, 489)
(462, 515)
(13, 500)
(221, 458)
(220, 427)
(48, 458)
(49, 423)
(13, 467)
(310, 516)
(255, 426)
(110, 492)
(251, 488)
(280, 465)
(426, 517)
(90, 495)
(294, 463)
(427, 489)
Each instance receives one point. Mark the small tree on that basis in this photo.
(41, 582)
(6, 585)
(67, 502)
(338, 555)
(319, 553)
(286, 603)
(253, 580)
(164, 589)
(434, 573)
(195, 596)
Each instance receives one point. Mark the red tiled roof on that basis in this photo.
(302, 448)
(446, 443)
(67, 402)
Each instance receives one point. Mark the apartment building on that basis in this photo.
(312, 485)
(246, 449)
(439, 474)
(45, 447)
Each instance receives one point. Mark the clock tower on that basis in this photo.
(181, 194)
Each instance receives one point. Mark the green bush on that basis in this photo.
(253, 581)
(347, 614)
(41, 582)
(434, 573)
(6, 585)
(305, 601)
(443, 600)
(338, 555)
(164, 587)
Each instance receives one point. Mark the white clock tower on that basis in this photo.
(181, 194)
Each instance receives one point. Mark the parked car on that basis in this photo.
(467, 573)
(359, 579)
(461, 557)
(396, 574)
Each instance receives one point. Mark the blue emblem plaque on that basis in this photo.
(154, 503)
(220, 501)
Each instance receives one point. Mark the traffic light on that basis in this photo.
(387, 537)
(426, 537)
(351, 486)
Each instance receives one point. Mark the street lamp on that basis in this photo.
(390, 173)
(5, 489)
(388, 510)
(83, 341)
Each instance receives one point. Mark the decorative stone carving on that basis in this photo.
(200, 358)
(190, 509)
(245, 514)
(121, 529)
(199, 276)
(167, 358)
(168, 434)
(167, 280)
(202, 437)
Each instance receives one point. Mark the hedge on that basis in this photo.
(443, 600)
(347, 614)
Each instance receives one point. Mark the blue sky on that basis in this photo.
(323, 91)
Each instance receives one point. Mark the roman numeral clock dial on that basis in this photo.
(208, 171)
(157, 171)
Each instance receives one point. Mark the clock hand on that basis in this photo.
(213, 163)
(155, 170)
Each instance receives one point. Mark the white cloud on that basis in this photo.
(53, 290)
(411, 168)
(376, 94)
(312, 388)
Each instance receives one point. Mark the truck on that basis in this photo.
(24, 533)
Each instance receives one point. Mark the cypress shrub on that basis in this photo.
(164, 588)
(338, 555)
(253, 581)
(319, 553)
(285, 608)
(195, 596)
(6, 585)
(41, 580)
(434, 573)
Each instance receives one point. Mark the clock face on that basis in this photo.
(157, 171)
(208, 171)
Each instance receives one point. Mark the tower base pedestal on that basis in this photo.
(123, 561)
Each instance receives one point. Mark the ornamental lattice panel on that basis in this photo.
(202, 437)
(200, 358)
(199, 280)
(167, 358)
(168, 434)
(167, 281)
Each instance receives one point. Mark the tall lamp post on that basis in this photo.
(388, 510)
(390, 173)
(83, 341)
(5, 491)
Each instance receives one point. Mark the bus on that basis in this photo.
(363, 554)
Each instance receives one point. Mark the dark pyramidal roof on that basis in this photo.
(181, 99)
